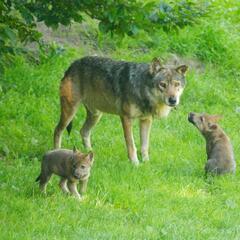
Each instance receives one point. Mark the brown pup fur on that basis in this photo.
(220, 157)
(71, 165)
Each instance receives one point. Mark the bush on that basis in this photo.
(18, 18)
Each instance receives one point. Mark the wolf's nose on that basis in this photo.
(190, 116)
(172, 100)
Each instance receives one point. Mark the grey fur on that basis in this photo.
(130, 90)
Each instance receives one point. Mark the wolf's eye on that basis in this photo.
(74, 165)
(177, 84)
(162, 85)
(201, 119)
(82, 166)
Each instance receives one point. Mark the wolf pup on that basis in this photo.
(71, 166)
(130, 90)
(219, 148)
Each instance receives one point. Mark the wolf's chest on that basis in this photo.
(162, 110)
(134, 111)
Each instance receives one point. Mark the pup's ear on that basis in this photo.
(182, 69)
(215, 118)
(90, 156)
(155, 66)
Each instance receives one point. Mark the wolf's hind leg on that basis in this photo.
(68, 110)
(44, 178)
(92, 119)
(145, 127)
(63, 185)
(131, 148)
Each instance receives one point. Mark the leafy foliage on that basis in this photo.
(18, 18)
(173, 16)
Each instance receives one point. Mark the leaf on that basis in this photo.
(102, 27)
(10, 34)
(134, 29)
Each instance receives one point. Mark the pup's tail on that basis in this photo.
(69, 128)
(38, 178)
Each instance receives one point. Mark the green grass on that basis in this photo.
(166, 198)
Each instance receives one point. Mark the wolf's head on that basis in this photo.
(168, 82)
(204, 122)
(81, 164)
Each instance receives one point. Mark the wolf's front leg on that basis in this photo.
(212, 166)
(127, 129)
(72, 186)
(63, 185)
(83, 186)
(145, 127)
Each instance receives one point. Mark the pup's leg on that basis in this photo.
(72, 186)
(44, 178)
(83, 186)
(212, 166)
(127, 129)
(91, 120)
(63, 185)
(69, 100)
(145, 127)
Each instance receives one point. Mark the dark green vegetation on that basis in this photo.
(19, 18)
(167, 198)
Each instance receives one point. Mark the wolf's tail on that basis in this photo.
(69, 128)
(38, 178)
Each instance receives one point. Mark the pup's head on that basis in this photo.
(169, 82)
(204, 122)
(81, 164)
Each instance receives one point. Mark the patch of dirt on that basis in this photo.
(85, 36)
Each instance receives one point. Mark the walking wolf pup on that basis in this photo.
(130, 90)
(219, 148)
(71, 166)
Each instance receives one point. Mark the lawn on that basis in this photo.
(165, 198)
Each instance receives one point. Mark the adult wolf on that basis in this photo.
(130, 90)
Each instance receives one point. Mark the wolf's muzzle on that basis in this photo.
(172, 101)
(77, 176)
(190, 117)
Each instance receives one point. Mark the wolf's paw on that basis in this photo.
(79, 198)
(135, 162)
(145, 158)
(89, 148)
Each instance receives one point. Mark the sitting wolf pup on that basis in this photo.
(71, 166)
(219, 148)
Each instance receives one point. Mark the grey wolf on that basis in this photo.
(71, 166)
(130, 90)
(219, 148)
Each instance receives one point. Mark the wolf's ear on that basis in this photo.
(74, 149)
(155, 66)
(90, 156)
(182, 69)
(215, 118)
